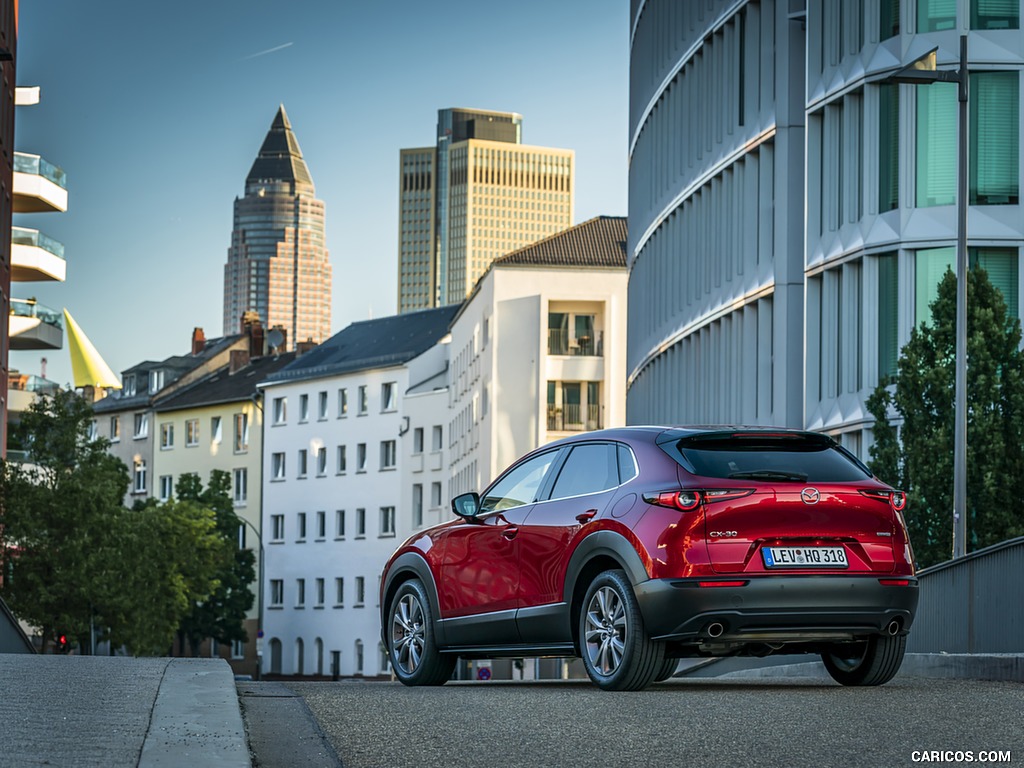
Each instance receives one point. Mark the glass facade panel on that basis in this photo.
(936, 144)
(888, 147)
(994, 135)
(929, 267)
(889, 19)
(995, 14)
(935, 15)
(1003, 267)
(888, 297)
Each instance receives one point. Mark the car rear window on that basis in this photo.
(799, 458)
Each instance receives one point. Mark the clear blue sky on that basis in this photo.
(156, 112)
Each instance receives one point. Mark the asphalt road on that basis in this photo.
(781, 723)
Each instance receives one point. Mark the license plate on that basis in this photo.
(804, 557)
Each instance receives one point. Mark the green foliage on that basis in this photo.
(920, 457)
(221, 614)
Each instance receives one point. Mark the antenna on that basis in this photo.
(275, 339)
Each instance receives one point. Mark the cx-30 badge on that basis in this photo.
(810, 495)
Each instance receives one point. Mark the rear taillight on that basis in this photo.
(689, 499)
(897, 499)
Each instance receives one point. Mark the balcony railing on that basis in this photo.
(33, 237)
(30, 308)
(559, 343)
(570, 418)
(34, 164)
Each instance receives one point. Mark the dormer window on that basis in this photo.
(128, 387)
(156, 381)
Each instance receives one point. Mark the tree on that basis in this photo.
(55, 517)
(919, 456)
(222, 613)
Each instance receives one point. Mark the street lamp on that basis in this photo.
(923, 71)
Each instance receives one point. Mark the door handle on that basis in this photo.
(586, 517)
(510, 533)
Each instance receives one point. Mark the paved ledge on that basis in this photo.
(965, 666)
(103, 711)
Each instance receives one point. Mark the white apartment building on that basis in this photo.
(333, 445)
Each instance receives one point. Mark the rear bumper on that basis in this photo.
(775, 608)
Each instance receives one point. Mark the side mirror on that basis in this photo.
(466, 505)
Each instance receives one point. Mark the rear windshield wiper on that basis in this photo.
(769, 474)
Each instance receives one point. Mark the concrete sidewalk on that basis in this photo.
(103, 711)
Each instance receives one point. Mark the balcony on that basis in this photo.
(33, 326)
(39, 186)
(570, 418)
(36, 257)
(22, 390)
(560, 343)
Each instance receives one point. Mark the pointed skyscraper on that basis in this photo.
(278, 264)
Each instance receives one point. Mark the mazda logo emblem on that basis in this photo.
(810, 495)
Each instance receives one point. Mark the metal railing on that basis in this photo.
(33, 237)
(34, 164)
(570, 418)
(559, 343)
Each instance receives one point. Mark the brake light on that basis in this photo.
(688, 499)
(897, 499)
(726, 494)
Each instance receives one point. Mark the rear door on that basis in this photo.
(803, 510)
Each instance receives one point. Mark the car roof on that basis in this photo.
(667, 433)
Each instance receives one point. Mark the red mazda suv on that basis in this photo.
(635, 547)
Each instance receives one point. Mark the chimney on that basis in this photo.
(257, 346)
(198, 340)
(239, 359)
(304, 346)
(249, 318)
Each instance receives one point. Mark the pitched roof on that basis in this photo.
(222, 386)
(380, 343)
(280, 158)
(597, 242)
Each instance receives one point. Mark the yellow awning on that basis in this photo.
(88, 367)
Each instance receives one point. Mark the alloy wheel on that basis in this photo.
(407, 634)
(605, 630)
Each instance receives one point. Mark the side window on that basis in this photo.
(590, 468)
(627, 464)
(518, 486)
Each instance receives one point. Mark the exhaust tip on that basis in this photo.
(715, 629)
(894, 627)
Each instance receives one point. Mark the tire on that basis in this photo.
(872, 662)
(669, 669)
(412, 646)
(617, 652)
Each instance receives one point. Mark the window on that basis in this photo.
(589, 469)
(388, 454)
(339, 592)
(141, 425)
(321, 461)
(994, 176)
(889, 19)
(277, 527)
(241, 432)
(276, 593)
(572, 334)
(387, 396)
(387, 521)
(339, 524)
(1002, 266)
(215, 431)
(319, 593)
(888, 296)
(93, 430)
(280, 410)
(360, 523)
(935, 15)
(237, 649)
(241, 486)
(936, 144)
(435, 495)
(437, 434)
(166, 435)
(166, 487)
(321, 525)
(303, 408)
(139, 477)
(995, 14)
(888, 147)
(321, 410)
(303, 455)
(364, 404)
(417, 505)
(277, 466)
(519, 485)
(360, 591)
(128, 386)
(342, 460)
(191, 433)
(417, 440)
(156, 381)
(300, 593)
(342, 403)
(302, 526)
(361, 457)
(115, 429)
